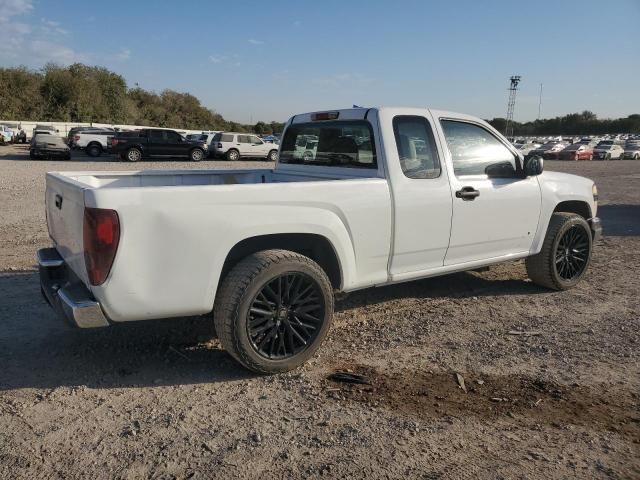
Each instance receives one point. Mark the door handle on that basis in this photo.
(467, 193)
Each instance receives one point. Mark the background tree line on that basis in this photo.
(81, 93)
(585, 123)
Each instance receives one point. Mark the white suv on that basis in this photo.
(232, 146)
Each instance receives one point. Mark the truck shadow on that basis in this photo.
(37, 350)
(455, 285)
(620, 220)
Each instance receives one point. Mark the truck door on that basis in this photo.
(420, 191)
(176, 145)
(156, 142)
(495, 208)
(244, 145)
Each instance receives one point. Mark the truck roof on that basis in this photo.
(360, 113)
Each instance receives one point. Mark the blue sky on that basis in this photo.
(255, 61)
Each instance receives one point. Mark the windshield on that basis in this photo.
(604, 147)
(332, 143)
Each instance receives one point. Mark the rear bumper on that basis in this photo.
(596, 228)
(66, 294)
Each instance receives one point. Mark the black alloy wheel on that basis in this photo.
(285, 316)
(572, 252)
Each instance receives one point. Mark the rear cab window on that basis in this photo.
(335, 143)
(416, 147)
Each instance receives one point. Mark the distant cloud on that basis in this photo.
(229, 59)
(342, 79)
(123, 55)
(38, 42)
(50, 26)
(253, 41)
(13, 8)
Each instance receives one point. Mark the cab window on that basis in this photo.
(475, 151)
(416, 147)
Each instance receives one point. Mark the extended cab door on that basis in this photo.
(420, 191)
(495, 208)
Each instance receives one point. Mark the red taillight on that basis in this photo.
(114, 141)
(76, 137)
(101, 234)
(316, 117)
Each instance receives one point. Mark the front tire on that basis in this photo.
(233, 155)
(273, 310)
(273, 156)
(565, 254)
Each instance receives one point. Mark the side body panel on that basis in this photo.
(174, 240)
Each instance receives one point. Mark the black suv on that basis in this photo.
(139, 144)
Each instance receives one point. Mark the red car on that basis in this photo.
(577, 151)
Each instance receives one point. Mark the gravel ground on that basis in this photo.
(162, 400)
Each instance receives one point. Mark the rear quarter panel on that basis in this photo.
(174, 240)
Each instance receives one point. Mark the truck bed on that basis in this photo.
(191, 230)
(173, 178)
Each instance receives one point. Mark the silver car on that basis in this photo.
(608, 152)
(632, 150)
(234, 146)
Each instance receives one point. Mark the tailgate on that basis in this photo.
(64, 200)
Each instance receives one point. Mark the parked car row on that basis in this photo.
(585, 149)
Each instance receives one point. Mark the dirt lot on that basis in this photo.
(161, 400)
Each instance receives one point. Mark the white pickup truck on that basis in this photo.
(390, 195)
(94, 142)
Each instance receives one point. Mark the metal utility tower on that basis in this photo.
(513, 89)
(540, 103)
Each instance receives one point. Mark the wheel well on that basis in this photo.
(574, 206)
(94, 143)
(316, 247)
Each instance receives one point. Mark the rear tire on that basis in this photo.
(273, 156)
(233, 155)
(262, 305)
(196, 154)
(94, 150)
(547, 268)
(133, 155)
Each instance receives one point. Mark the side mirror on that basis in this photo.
(533, 166)
(500, 170)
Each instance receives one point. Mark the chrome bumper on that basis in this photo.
(66, 294)
(596, 228)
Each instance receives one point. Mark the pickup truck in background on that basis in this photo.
(389, 195)
(136, 145)
(93, 142)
